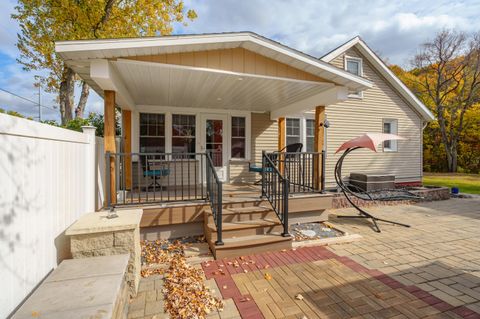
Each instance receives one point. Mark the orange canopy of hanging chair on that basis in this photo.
(368, 140)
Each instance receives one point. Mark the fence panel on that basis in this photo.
(45, 172)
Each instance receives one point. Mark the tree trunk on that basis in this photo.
(82, 102)
(66, 94)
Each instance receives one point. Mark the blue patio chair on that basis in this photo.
(258, 169)
(155, 169)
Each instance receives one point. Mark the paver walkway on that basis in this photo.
(431, 270)
(440, 253)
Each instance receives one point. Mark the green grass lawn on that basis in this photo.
(468, 183)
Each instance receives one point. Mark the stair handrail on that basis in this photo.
(214, 196)
(275, 188)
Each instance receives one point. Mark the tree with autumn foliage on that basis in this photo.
(446, 77)
(44, 21)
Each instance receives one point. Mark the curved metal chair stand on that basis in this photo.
(388, 195)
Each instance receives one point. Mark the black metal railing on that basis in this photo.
(143, 178)
(214, 195)
(300, 170)
(275, 188)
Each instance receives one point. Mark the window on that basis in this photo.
(152, 133)
(310, 135)
(390, 127)
(293, 131)
(238, 137)
(354, 66)
(183, 133)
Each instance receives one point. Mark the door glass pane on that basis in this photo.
(214, 141)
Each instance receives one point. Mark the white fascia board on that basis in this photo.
(63, 47)
(106, 77)
(332, 95)
(385, 71)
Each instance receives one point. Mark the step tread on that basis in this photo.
(237, 225)
(253, 240)
(248, 209)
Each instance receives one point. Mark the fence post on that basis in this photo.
(90, 158)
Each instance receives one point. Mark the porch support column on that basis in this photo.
(127, 143)
(109, 138)
(318, 145)
(281, 142)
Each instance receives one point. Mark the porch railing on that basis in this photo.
(214, 195)
(275, 188)
(148, 178)
(301, 170)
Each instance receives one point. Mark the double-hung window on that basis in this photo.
(310, 135)
(152, 133)
(390, 127)
(183, 133)
(238, 137)
(354, 66)
(293, 131)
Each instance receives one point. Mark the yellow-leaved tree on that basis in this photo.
(42, 22)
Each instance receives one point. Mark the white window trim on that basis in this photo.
(393, 143)
(198, 112)
(358, 95)
(301, 128)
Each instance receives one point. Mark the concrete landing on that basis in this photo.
(81, 288)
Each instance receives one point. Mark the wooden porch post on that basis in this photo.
(109, 138)
(127, 142)
(318, 144)
(281, 142)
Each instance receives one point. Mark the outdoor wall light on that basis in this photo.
(325, 123)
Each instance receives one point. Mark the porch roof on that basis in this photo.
(100, 64)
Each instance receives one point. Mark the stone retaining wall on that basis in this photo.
(429, 194)
(95, 235)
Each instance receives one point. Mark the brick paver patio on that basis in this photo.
(431, 270)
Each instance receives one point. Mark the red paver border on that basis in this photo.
(222, 271)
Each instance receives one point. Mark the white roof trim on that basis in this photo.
(385, 71)
(64, 48)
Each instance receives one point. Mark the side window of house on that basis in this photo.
(238, 137)
(390, 127)
(310, 135)
(293, 131)
(354, 66)
(152, 133)
(183, 133)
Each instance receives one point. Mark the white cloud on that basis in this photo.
(395, 29)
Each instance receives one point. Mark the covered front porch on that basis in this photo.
(204, 117)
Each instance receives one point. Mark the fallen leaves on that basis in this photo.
(186, 296)
(267, 276)
(298, 297)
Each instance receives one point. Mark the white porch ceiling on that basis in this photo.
(160, 84)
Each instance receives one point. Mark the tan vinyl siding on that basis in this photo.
(264, 134)
(235, 60)
(358, 116)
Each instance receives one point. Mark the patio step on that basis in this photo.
(248, 245)
(245, 229)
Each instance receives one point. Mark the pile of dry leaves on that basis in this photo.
(186, 296)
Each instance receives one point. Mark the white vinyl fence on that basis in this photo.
(48, 179)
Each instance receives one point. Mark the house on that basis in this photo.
(197, 110)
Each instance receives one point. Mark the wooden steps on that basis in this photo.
(247, 229)
(253, 244)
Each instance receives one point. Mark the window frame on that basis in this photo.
(359, 94)
(237, 137)
(311, 136)
(140, 136)
(300, 129)
(394, 130)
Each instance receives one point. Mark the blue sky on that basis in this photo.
(394, 29)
